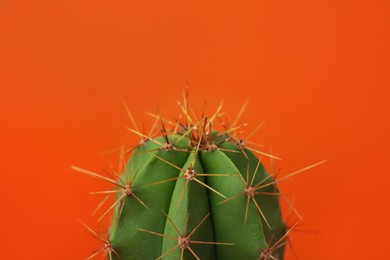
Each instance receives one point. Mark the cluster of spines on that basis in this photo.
(200, 136)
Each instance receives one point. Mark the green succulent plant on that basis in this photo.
(194, 192)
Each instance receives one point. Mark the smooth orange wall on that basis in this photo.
(317, 72)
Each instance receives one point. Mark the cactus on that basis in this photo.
(194, 192)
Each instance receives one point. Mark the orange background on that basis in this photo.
(316, 71)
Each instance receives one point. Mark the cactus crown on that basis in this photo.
(194, 192)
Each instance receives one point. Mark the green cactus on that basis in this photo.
(194, 193)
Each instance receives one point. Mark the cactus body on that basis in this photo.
(195, 205)
(194, 193)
